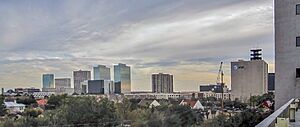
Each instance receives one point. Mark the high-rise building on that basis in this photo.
(122, 77)
(162, 83)
(287, 50)
(249, 78)
(62, 83)
(101, 72)
(48, 81)
(80, 76)
(98, 87)
(271, 82)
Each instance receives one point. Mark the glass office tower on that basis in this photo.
(122, 77)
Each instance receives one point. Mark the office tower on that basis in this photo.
(80, 76)
(62, 83)
(101, 72)
(122, 77)
(98, 86)
(271, 82)
(287, 51)
(249, 78)
(162, 83)
(48, 81)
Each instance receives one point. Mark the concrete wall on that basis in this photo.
(248, 78)
(287, 55)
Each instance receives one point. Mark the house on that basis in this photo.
(41, 102)
(14, 107)
(148, 103)
(192, 103)
(154, 104)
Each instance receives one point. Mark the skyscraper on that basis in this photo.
(287, 51)
(101, 72)
(48, 81)
(80, 76)
(249, 78)
(162, 83)
(122, 77)
(62, 83)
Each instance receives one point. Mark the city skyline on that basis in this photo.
(187, 39)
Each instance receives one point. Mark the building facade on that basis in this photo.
(271, 82)
(48, 81)
(249, 78)
(99, 87)
(80, 76)
(162, 83)
(287, 50)
(62, 83)
(122, 77)
(101, 72)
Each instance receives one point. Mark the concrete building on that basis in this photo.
(62, 83)
(80, 76)
(162, 83)
(214, 91)
(249, 78)
(122, 77)
(99, 87)
(271, 82)
(101, 72)
(287, 50)
(48, 81)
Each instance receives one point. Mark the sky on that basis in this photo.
(187, 38)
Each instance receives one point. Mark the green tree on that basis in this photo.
(2, 107)
(84, 111)
(55, 101)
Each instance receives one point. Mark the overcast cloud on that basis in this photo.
(187, 38)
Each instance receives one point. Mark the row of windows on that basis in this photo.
(298, 9)
(298, 40)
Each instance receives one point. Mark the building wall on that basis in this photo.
(63, 83)
(122, 75)
(271, 82)
(287, 28)
(101, 72)
(48, 81)
(80, 76)
(162, 83)
(95, 87)
(248, 78)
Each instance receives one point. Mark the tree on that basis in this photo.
(55, 101)
(2, 107)
(84, 111)
(26, 100)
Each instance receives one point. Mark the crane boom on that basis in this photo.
(220, 73)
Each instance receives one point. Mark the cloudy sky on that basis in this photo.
(187, 38)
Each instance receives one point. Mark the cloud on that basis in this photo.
(186, 38)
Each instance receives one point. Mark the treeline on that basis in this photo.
(93, 112)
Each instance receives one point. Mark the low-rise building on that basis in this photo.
(194, 104)
(214, 91)
(14, 107)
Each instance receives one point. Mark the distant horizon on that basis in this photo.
(187, 39)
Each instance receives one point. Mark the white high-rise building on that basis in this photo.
(287, 51)
(249, 78)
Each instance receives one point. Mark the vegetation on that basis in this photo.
(64, 110)
(2, 107)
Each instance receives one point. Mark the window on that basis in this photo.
(298, 9)
(298, 41)
(297, 72)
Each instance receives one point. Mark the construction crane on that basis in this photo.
(220, 81)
